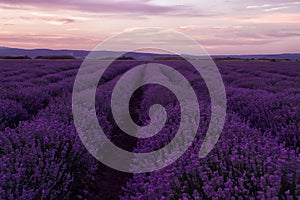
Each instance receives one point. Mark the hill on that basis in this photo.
(81, 54)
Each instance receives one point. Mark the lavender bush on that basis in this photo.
(42, 159)
(244, 165)
(11, 112)
(257, 156)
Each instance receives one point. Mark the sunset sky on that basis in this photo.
(221, 26)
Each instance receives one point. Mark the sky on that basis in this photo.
(220, 26)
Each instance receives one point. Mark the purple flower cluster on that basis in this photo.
(41, 159)
(11, 112)
(256, 157)
(41, 155)
(243, 165)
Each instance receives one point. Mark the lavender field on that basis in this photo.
(256, 157)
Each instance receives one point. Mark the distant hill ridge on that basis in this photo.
(81, 54)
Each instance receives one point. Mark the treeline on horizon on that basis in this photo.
(51, 57)
(70, 57)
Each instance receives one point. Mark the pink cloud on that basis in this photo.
(56, 41)
(283, 34)
(235, 42)
(130, 8)
(57, 21)
(96, 6)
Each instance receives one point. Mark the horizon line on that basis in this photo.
(65, 49)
